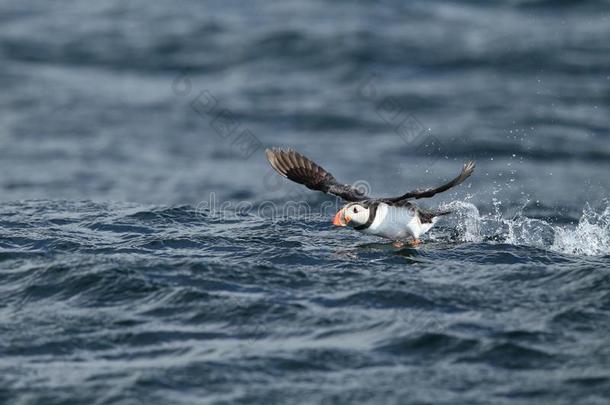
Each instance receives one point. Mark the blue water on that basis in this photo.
(149, 254)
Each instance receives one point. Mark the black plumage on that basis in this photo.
(300, 169)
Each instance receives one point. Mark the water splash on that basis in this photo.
(590, 237)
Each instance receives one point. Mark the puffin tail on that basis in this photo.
(428, 216)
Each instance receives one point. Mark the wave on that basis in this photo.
(589, 237)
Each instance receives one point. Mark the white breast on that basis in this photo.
(397, 223)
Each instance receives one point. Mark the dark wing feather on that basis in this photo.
(302, 170)
(429, 192)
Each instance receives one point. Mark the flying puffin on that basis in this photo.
(395, 218)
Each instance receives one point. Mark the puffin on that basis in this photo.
(396, 218)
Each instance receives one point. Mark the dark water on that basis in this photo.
(149, 255)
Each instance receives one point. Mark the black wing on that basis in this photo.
(429, 192)
(302, 170)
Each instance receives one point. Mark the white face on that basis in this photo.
(352, 214)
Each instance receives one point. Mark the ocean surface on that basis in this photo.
(150, 255)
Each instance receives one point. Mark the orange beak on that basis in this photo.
(340, 219)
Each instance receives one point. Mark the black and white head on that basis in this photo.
(353, 214)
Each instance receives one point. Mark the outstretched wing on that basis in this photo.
(302, 170)
(429, 192)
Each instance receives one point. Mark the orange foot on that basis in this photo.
(415, 242)
(398, 244)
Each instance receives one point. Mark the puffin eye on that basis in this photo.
(355, 210)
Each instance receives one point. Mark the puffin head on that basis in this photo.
(352, 214)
